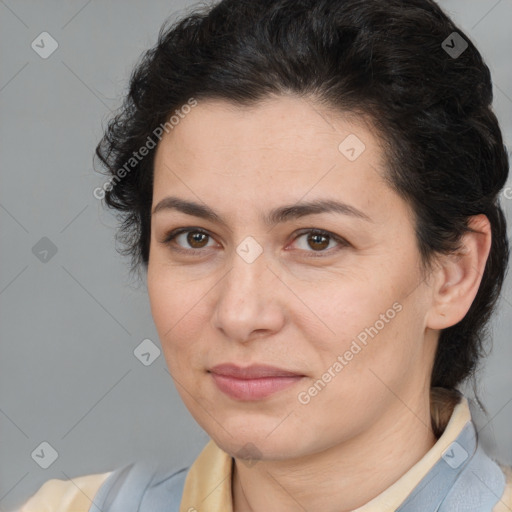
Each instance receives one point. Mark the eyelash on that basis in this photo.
(170, 237)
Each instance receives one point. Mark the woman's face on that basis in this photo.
(343, 310)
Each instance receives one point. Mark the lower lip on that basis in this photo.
(253, 389)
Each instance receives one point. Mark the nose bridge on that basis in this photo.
(247, 299)
(248, 269)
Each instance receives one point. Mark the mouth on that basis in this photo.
(254, 382)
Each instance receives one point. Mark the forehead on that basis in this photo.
(279, 150)
(289, 123)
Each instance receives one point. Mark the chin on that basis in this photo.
(256, 449)
(246, 438)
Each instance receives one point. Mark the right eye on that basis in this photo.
(195, 238)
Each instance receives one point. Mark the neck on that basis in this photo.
(343, 477)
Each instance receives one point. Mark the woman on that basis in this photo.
(312, 188)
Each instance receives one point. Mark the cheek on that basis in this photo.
(343, 309)
(360, 371)
(174, 313)
(370, 323)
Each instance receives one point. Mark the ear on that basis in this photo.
(458, 276)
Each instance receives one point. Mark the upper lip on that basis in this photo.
(254, 371)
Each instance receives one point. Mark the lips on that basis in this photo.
(251, 372)
(254, 382)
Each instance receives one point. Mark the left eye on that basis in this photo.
(319, 240)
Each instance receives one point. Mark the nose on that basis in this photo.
(249, 302)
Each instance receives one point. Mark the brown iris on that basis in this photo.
(195, 238)
(315, 237)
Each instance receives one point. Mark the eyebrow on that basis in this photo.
(275, 216)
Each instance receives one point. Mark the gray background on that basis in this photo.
(69, 325)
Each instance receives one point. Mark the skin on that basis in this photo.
(290, 309)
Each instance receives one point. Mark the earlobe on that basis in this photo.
(458, 276)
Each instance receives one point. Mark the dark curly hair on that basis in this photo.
(384, 60)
